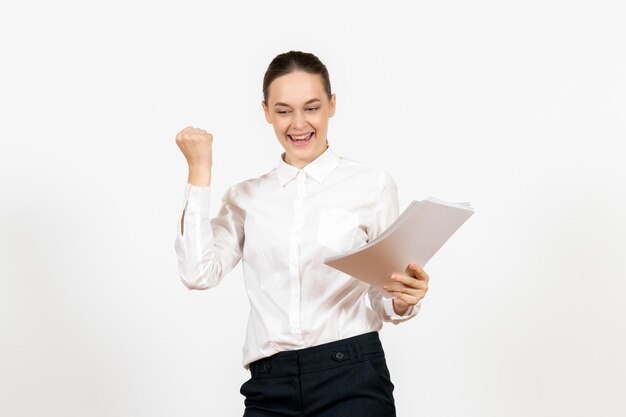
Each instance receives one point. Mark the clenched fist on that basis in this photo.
(196, 146)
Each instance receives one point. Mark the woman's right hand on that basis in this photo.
(196, 146)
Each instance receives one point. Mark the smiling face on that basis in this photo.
(299, 110)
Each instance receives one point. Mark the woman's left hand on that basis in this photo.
(408, 289)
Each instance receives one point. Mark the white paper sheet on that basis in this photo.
(415, 236)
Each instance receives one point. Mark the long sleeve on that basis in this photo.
(208, 248)
(386, 211)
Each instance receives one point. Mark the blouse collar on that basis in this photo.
(318, 168)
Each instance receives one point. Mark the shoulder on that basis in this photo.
(251, 186)
(372, 172)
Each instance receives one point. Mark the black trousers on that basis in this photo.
(347, 377)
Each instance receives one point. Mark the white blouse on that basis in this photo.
(282, 225)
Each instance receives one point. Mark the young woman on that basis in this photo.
(312, 344)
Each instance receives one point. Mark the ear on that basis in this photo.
(266, 111)
(333, 103)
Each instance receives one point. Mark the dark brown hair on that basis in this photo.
(294, 61)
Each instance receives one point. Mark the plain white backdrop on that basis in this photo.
(517, 107)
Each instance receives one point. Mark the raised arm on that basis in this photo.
(206, 248)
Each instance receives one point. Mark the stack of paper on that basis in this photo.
(414, 237)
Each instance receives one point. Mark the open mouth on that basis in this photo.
(301, 140)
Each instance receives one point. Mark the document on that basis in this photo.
(414, 237)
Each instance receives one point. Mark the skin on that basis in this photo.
(297, 104)
(196, 145)
(408, 289)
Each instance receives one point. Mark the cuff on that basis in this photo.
(395, 318)
(197, 200)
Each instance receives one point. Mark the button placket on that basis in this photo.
(294, 254)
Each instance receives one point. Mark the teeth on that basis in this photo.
(300, 137)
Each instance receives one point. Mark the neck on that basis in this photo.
(300, 163)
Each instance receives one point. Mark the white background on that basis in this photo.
(518, 107)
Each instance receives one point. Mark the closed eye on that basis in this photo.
(308, 108)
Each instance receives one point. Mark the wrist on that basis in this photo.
(399, 311)
(199, 178)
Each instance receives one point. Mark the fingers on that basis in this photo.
(417, 271)
(409, 295)
(196, 146)
(191, 133)
(409, 281)
(179, 135)
(413, 285)
(408, 298)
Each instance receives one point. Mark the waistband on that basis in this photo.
(319, 357)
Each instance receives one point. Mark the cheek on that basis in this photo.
(280, 126)
(320, 121)
(284, 122)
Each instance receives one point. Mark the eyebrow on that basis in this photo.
(308, 102)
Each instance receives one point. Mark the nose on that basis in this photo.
(299, 121)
